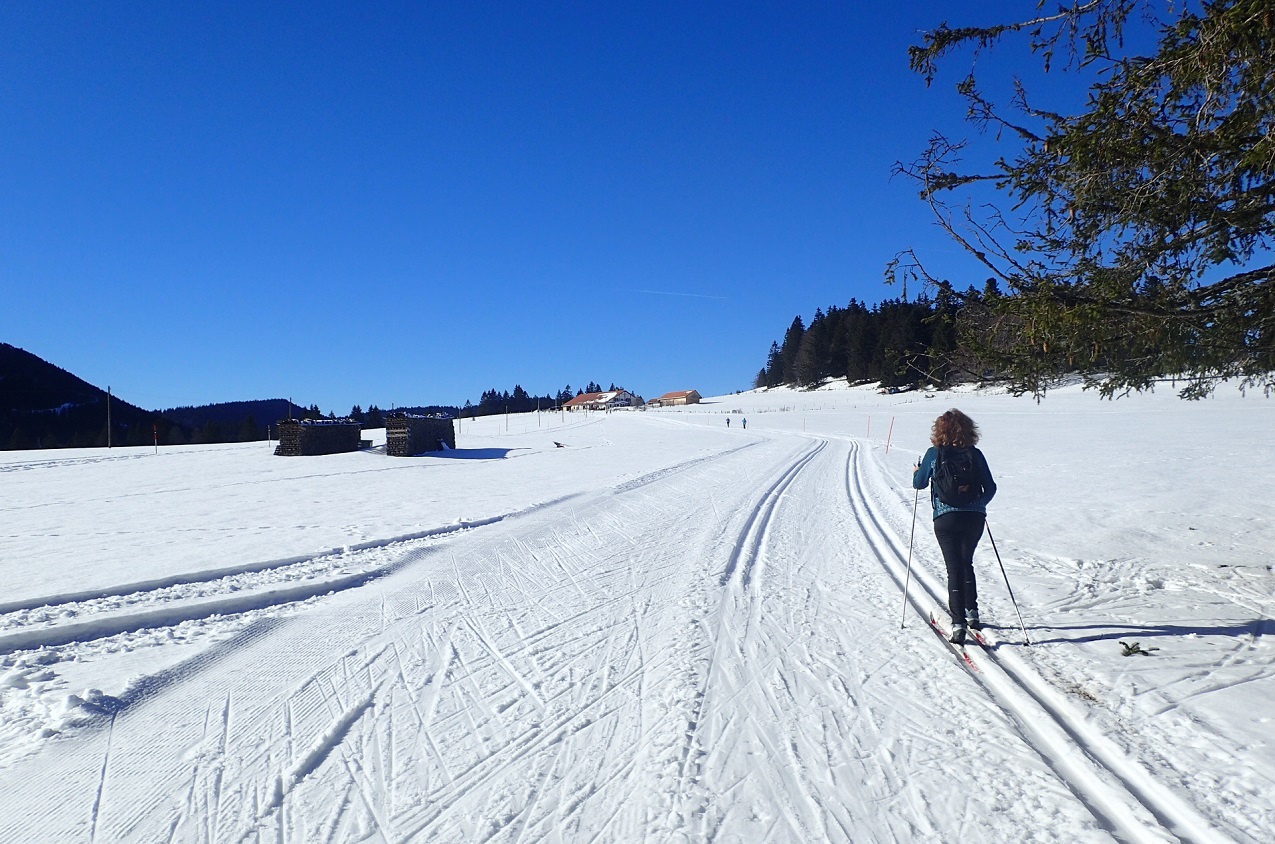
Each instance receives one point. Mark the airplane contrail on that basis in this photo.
(687, 295)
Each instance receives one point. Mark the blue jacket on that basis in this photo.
(922, 477)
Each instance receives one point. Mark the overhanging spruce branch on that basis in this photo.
(983, 111)
(1204, 298)
(944, 39)
(1116, 215)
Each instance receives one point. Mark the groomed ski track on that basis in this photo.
(1114, 787)
(709, 653)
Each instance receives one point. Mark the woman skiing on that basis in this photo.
(962, 486)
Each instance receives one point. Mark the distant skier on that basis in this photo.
(745, 424)
(962, 487)
(727, 421)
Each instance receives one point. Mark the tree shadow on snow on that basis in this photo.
(1148, 631)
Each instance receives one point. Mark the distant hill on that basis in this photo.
(44, 406)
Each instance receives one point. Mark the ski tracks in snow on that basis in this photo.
(508, 688)
(709, 652)
(1117, 789)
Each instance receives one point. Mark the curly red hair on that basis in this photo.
(954, 429)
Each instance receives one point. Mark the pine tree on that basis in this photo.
(788, 349)
(804, 364)
(20, 440)
(861, 341)
(1138, 234)
(249, 432)
(774, 366)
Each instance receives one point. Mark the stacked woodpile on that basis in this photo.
(407, 435)
(305, 437)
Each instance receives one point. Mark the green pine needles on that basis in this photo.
(1131, 242)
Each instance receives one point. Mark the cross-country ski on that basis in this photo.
(944, 632)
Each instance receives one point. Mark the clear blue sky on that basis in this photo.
(410, 203)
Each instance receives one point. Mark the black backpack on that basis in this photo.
(958, 481)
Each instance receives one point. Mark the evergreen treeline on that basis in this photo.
(43, 406)
(495, 401)
(492, 403)
(374, 417)
(232, 421)
(897, 342)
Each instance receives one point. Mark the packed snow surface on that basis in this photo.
(663, 629)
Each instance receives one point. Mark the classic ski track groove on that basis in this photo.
(1095, 769)
(222, 580)
(163, 604)
(746, 548)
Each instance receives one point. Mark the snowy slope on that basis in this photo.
(665, 630)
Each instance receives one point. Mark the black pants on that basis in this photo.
(958, 534)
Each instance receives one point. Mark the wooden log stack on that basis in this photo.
(307, 437)
(408, 435)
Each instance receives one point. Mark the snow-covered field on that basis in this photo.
(665, 630)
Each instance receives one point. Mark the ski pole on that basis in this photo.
(1007, 586)
(903, 619)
